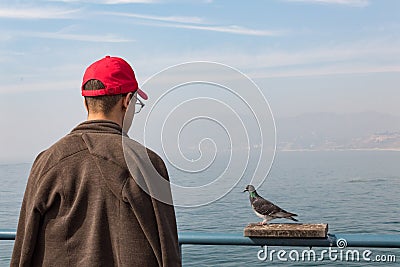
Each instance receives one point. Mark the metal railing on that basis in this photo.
(352, 240)
(237, 239)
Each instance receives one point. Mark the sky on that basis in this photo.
(339, 56)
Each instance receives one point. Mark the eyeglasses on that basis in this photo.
(138, 105)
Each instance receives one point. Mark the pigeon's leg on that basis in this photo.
(264, 222)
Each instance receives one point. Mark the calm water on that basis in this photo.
(352, 191)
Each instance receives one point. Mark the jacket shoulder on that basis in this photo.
(64, 148)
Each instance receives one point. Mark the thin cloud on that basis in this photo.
(193, 23)
(106, 38)
(340, 69)
(177, 19)
(233, 29)
(385, 50)
(37, 13)
(359, 3)
(38, 86)
(114, 2)
(373, 57)
(108, 2)
(367, 56)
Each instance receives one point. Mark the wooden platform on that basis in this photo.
(287, 230)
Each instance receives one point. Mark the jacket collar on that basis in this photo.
(98, 126)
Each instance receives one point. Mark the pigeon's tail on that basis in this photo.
(287, 215)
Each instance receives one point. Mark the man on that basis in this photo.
(82, 205)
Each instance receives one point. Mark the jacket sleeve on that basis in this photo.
(28, 226)
(159, 225)
(166, 221)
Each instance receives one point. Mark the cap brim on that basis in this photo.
(142, 94)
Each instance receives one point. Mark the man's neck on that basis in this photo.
(100, 116)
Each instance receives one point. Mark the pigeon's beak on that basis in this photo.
(245, 190)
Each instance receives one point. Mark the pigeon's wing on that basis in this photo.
(265, 207)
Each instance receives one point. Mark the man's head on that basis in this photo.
(103, 103)
(108, 85)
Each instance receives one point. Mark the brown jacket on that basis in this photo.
(83, 208)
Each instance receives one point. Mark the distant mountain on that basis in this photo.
(329, 131)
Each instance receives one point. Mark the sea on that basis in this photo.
(351, 191)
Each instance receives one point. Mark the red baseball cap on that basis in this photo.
(117, 76)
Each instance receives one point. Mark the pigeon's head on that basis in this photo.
(249, 188)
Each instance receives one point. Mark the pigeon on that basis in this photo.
(265, 209)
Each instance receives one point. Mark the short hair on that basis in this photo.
(100, 104)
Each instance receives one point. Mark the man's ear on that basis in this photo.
(126, 100)
(86, 105)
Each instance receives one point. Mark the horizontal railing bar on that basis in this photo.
(199, 238)
(205, 238)
(352, 240)
(372, 240)
(6, 234)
